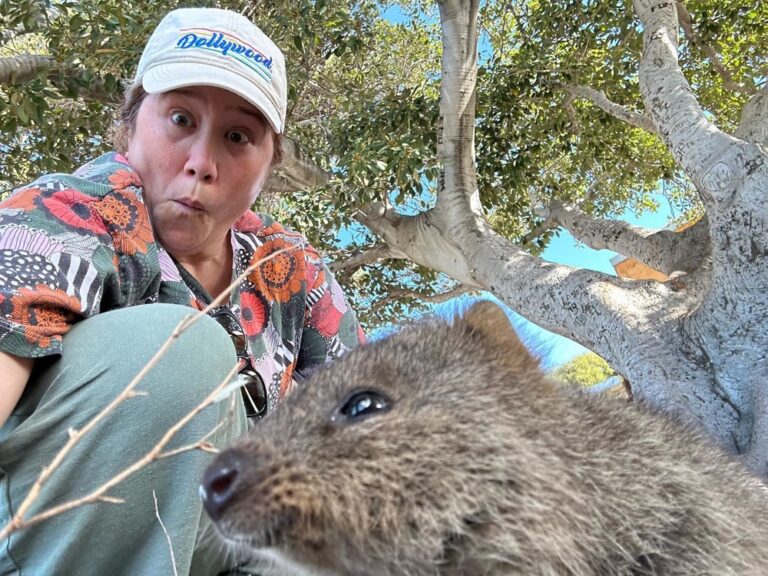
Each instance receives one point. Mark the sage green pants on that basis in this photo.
(101, 355)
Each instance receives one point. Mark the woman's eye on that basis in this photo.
(237, 137)
(180, 119)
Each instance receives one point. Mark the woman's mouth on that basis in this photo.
(190, 204)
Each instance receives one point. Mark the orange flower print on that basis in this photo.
(280, 277)
(75, 209)
(45, 313)
(127, 221)
(274, 228)
(22, 200)
(121, 179)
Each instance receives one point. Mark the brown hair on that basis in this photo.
(129, 111)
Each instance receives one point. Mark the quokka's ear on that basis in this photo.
(489, 321)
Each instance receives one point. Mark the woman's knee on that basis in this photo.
(104, 354)
(139, 332)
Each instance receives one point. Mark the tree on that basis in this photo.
(466, 170)
(694, 345)
(584, 370)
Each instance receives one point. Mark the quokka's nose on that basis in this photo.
(220, 482)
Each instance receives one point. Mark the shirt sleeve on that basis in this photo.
(57, 264)
(331, 326)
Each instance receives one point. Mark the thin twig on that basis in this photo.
(18, 521)
(153, 454)
(167, 536)
(686, 23)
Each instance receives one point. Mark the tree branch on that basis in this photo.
(571, 113)
(559, 298)
(19, 69)
(16, 70)
(427, 298)
(687, 26)
(599, 99)
(753, 126)
(546, 225)
(705, 153)
(420, 239)
(458, 195)
(662, 250)
(377, 253)
(295, 172)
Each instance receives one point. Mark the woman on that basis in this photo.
(166, 223)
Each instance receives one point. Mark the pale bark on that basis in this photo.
(599, 99)
(419, 239)
(295, 172)
(374, 254)
(663, 250)
(753, 126)
(731, 176)
(557, 297)
(693, 346)
(24, 67)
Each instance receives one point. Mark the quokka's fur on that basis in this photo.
(477, 465)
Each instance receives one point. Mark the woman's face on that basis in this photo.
(203, 154)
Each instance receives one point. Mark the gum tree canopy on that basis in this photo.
(452, 144)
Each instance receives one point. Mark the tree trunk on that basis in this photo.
(694, 346)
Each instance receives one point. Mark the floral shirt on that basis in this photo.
(72, 246)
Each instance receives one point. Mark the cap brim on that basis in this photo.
(171, 76)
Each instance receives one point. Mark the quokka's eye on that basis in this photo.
(361, 404)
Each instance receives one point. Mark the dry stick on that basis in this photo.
(154, 454)
(167, 536)
(18, 522)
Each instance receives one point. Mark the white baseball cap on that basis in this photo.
(214, 47)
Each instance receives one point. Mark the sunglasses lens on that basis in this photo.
(254, 394)
(227, 320)
(254, 391)
(240, 345)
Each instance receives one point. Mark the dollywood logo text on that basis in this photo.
(226, 47)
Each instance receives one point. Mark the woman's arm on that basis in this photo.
(14, 373)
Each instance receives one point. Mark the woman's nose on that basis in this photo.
(201, 163)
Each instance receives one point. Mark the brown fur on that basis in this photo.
(480, 466)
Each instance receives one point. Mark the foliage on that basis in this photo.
(583, 370)
(363, 101)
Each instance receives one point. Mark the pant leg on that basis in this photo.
(101, 355)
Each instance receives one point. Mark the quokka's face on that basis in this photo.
(361, 458)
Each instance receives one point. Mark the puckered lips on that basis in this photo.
(189, 204)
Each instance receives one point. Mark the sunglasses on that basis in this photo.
(252, 386)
